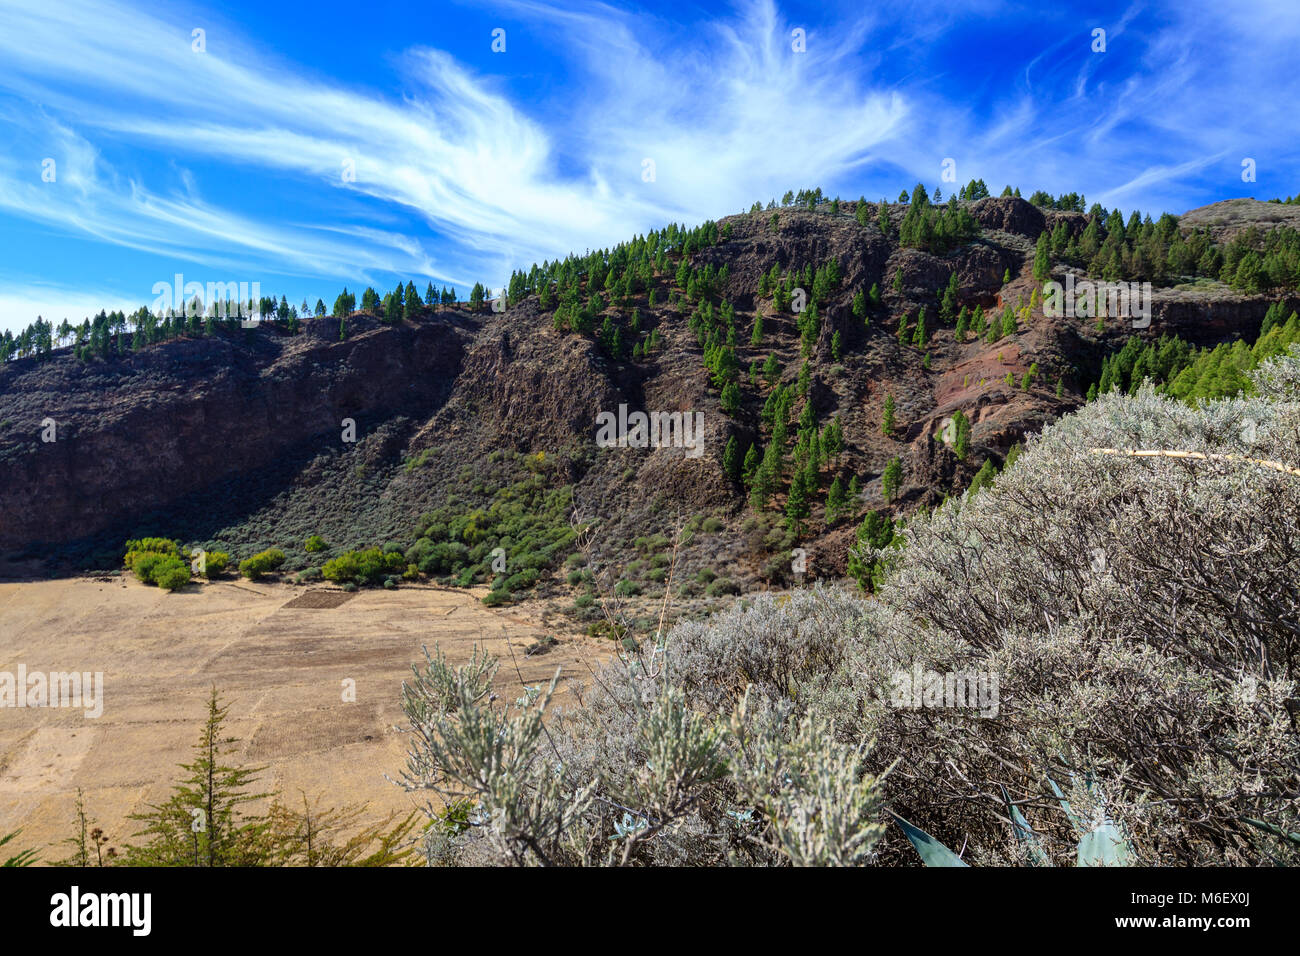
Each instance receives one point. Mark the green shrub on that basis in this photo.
(215, 563)
(369, 566)
(524, 579)
(166, 570)
(712, 525)
(172, 574)
(584, 601)
(496, 598)
(140, 546)
(530, 561)
(652, 543)
(528, 520)
(627, 588)
(265, 562)
(315, 543)
(143, 564)
(722, 586)
(443, 557)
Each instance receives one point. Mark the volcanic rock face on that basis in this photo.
(206, 433)
(175, 422)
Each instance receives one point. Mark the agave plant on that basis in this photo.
(1099, 845)
(23, 858)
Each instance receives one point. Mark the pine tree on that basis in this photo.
(731, 460)
(756, 337)
(892, 478)
(765, 477)
(983, 478)
(752, 460)
(961, 434)
(837, 352)
(887, 417)
(395, 305)
(412, 301)
(859, 305)
(1042, 259)
(730, 399)
(344, 304)
(796, 505)
(948, 305)
(1008, 322)
(202, 824)
(833, 440)
(835, 501)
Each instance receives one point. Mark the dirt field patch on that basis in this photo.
(322, 599)
(315, 697)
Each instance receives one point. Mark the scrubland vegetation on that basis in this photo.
(1142, 615)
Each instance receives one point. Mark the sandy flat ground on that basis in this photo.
(282, 670)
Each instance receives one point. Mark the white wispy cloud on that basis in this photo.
(456, 152)
(458, 181)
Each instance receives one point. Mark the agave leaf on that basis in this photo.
(1272, 828)
(1065, 805)
(933, 853)
(1025, 834)
(24, 858)
(1105, 846)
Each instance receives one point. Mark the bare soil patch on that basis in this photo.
(322, 599)
(282, 665)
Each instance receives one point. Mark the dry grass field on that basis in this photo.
(280, 656)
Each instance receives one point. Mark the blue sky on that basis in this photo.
(229, 163)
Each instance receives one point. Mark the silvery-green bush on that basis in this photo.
(1142, 614)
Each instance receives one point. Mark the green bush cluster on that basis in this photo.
(265, 562)
(157, 561)
(369, 566)
(527, 520)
